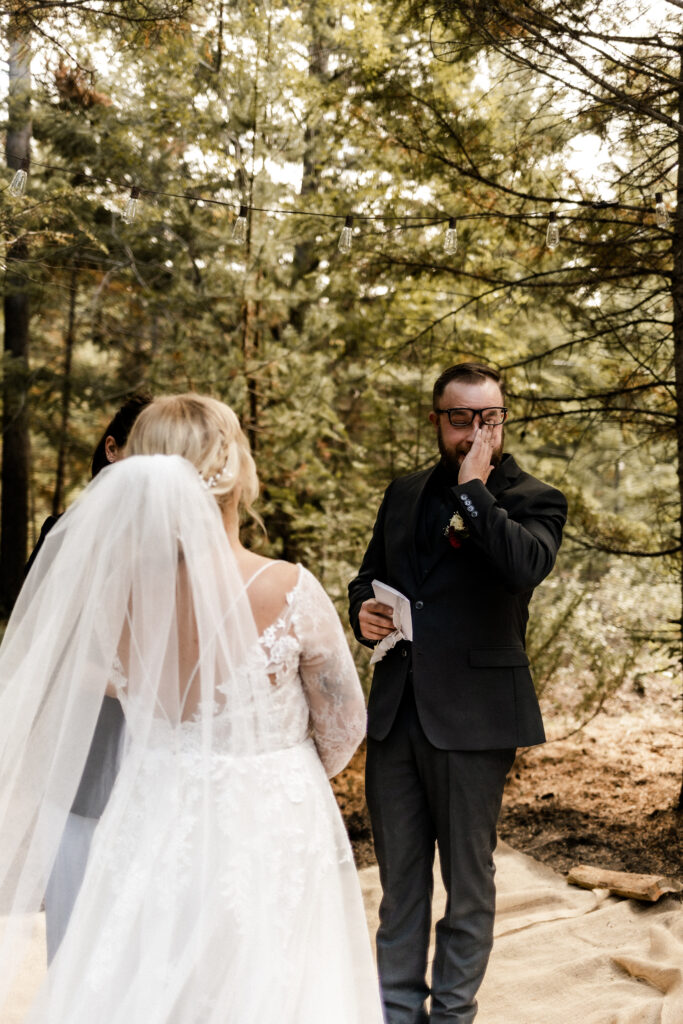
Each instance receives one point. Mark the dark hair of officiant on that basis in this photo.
(114, 438)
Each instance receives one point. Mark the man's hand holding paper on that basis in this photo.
(375, 619)
(385, 618)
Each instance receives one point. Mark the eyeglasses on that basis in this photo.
(491, 417)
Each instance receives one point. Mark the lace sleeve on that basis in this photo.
(328, 674)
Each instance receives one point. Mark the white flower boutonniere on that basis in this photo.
(456, 531)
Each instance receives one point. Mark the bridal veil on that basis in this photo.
(135, 593)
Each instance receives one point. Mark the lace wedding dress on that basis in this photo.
(221, 886)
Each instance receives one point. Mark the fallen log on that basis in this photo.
(623, 883)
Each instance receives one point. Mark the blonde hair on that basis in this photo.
(208, 434)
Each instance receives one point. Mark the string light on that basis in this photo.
(661, 212)
(131, 207)
(450, 241)
(18, 183)
(552, 235)
(346, 235)
(239, 232)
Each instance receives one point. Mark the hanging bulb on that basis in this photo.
(450, 242)
(18, 184)
(346, 235)
(131, 207)
(239, 232)
(552, 236)
(661, 212)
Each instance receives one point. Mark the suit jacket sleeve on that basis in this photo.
(44, 530)
(373, 567)
(520, 534)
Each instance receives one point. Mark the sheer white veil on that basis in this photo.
(136, 587)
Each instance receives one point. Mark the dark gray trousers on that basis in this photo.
(66, 878)
(419, 795)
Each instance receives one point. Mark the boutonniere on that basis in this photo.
(456, 531)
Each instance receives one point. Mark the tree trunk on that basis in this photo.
(15, 433)
(677, 296)
(306, 258)
(58, 495)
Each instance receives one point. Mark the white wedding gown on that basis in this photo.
(255, 917)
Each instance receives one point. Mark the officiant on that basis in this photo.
(466, 541)
(101, 766)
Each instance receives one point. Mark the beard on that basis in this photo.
(452, 457)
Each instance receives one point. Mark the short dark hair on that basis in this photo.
(472, 373)
(119, 428)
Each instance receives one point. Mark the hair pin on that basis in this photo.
(209, 482)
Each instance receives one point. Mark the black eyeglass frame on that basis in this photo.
(474, 412)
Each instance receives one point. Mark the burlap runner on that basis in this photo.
(562, 955)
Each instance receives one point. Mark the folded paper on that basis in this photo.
(401, 617)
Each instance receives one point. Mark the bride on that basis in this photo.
(220, 885)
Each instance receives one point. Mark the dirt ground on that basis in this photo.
(604, 796)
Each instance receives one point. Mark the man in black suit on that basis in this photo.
(466, 541)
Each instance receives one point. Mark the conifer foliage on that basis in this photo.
(409, 118)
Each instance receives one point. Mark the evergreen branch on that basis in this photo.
(621, 551)
(559, 51)
(115, 9)
(587, 339)
(596, 394)
(631, 412)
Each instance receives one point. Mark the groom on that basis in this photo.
(466, 540)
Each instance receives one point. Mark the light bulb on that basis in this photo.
(661, 212)
(131, 207)
(450, 242)
(346, 235)
(552, 235)
(18, 184)
(239, 232)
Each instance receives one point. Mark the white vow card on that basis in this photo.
(401, 615)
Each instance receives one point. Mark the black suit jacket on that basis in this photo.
(473, 688)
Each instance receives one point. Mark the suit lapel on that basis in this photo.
(440, 543)
(418, 485)
(411, 499)
(503, 476)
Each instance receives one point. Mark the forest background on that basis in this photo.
(491, 117)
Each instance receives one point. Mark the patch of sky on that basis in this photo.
(420, 193)
(433, 232)
(584, 153)
(284, 172)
